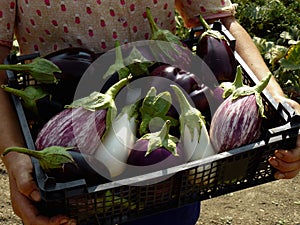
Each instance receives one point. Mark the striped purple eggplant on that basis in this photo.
(237, 121)
(76, 127)
(83, 123)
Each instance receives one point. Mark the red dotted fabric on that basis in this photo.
(48, 25)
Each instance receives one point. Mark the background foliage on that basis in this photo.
(275, 28)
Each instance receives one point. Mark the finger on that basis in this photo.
(24, 179)
(288, 155)
(286, 175)
(283, 166)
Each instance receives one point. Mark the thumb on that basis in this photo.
(22, 172)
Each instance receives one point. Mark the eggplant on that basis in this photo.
(156, 151)
(214, 50)
(82, 168)
(188, 81)
(83, 123)
(72, 62)
(238, 119)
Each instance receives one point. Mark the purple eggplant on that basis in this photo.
(215, 51)
(238, 119)
(188, 81)
(156, 151)
(83, 123)
(73, 62)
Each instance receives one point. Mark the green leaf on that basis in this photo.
(292, 59)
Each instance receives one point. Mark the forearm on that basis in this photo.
(10, 132)
(246, 48)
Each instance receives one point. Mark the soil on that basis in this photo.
(274, 203)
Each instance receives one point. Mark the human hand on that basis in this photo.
(24, 192)
(287, 162)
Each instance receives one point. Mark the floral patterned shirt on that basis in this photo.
(48, 25)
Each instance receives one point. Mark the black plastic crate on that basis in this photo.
(124, 200)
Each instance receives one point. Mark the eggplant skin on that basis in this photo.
(77, 127)
(235, 123)
(219, 57)
(158, 159)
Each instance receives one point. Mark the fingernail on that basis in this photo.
(35, 195)
(279, 175)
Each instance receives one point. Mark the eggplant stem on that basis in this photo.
(33, 153)
(153, 25)
(20, 93)
(263, 83)
(114, 89)
(204, 23)
(15, 67)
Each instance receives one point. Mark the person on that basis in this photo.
(47, 26)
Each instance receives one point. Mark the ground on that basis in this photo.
(274, 203)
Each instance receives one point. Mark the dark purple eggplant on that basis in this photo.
(188, 81)
(200, 98)
(215, 51)
(73, 62)
(156, 151)
(82, 168)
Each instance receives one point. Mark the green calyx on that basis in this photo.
(30, 95)
(42, 70)
(53, 157)
(161, 139)
(189, 116)
(154, 105)
(137, 64)
(256, 90)
(101, 101)
(210, 32)
(230, 87)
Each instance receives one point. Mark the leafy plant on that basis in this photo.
(275, 28)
